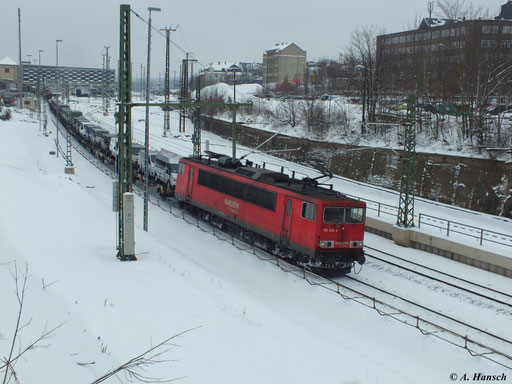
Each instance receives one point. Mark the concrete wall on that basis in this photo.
(411, 237)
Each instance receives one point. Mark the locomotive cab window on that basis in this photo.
(334, 215)
(339, 215)
(181, 168)
(354, 215)
(308, 211)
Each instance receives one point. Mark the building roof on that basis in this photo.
(506, 11)
(223, 67)
(433, 22)
(8, 61)
(279, 47)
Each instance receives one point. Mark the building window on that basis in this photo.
(6, 70)
(410, 38)
(445, 33)
(492, 29)
(486, 44)
(506, 29)
(436, 34)
(506, 44)
(402, 39)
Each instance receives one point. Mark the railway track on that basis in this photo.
(477, 341)
(442, 277)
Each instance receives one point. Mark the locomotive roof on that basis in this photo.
(307, 187)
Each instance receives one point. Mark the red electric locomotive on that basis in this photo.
(314, 226)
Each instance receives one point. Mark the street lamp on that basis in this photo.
(146, 132)
(39, 88)
(58, 88)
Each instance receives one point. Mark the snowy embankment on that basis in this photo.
(441, 134)
(257, 324)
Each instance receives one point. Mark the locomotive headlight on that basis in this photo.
(326, 244)
(356, 244)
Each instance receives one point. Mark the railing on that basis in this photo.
(446, 226)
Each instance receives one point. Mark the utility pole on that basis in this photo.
(167, 113)
(106, 82)
(184, 89)
(141, 81)
(146, 133)
(234, 86)
(196, 136)
(39, 89)
(20, 72)
(405, 216)
(126, 241)
(58, 88)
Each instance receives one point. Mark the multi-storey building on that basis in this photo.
(73, 76)
(284, 63)
(451, 57)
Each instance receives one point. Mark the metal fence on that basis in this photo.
(448, 227)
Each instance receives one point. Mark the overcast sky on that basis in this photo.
(222, 30)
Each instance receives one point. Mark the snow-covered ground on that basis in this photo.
(255, 323)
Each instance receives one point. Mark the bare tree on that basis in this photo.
(289, 111)
(362, 55)
(452, 9)
(134, 368)
(18, 348)
(457, 9)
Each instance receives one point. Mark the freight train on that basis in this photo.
(300, 220)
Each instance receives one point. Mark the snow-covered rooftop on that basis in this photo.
(435, 22)
(223, 66)
(8, 61)
(279, 47)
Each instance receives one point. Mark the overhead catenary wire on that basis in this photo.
(163, 35)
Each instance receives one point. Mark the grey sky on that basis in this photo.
(222, 30)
